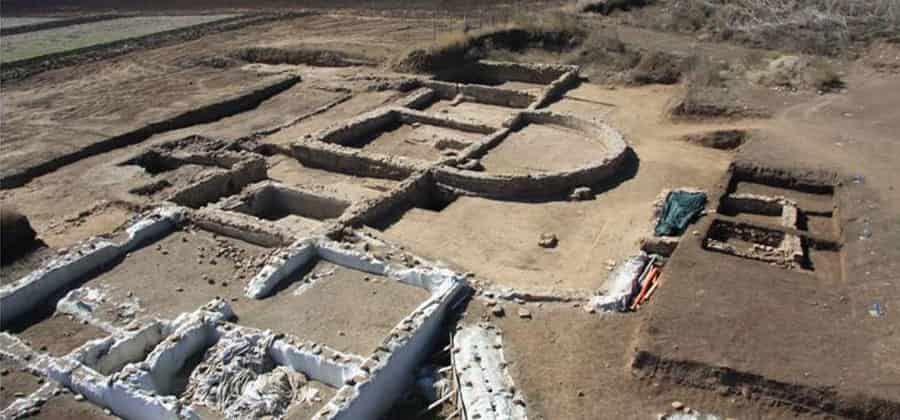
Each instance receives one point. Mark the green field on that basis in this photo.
(35, 44)
(14, 22)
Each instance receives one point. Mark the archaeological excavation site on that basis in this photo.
(467, 210)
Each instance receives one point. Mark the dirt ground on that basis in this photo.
(417, 141)
(352, 188)
(498, 240)
(59, 334)
(180, 273)
(355, 105)
(723, 334)
(479, 113)
(818, 132)
(15, 382)
(540, 148)
(571, 364)
(66, 407)
(347, 310)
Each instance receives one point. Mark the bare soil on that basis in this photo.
(571, 364)
(348, 187)
(723, 334)
(66, 407)
(340, 308)
(417, 141)
(540, 148)
(180, 273)
(59, 334)
(493, 115)
(498, 240)
(355, 105)
(15, 382)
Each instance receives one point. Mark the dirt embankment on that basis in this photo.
(204, 114)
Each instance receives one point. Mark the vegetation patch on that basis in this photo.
(707, 95)
(556, 32)
(796, 72)
(820, 27)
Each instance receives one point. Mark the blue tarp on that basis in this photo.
(680, 209)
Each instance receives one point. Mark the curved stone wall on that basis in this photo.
(536, 185)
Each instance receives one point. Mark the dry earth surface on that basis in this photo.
(728, 335)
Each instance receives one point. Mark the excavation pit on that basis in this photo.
(775, 247)
(179, 273)
(746, 241)
(289, 171)
(193, 171)
(342, 308)
(286, 206)
(223, 371)
(509, 76)
(415, 140)
(814, 202)
(405, 134)
(480, 104)
(153, 162)
(759, 209)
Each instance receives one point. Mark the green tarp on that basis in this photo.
(679, 211)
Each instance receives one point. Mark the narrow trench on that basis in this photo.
(179, 382)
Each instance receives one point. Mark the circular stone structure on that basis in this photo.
(611, 156)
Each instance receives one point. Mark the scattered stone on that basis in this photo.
(548, 240)
(581, 194)
(498, 311)
(79, 397)
(524, 313)
(677, 405)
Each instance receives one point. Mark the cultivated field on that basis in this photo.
(33, 44)
(13, 22)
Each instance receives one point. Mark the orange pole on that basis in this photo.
(650, 276)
